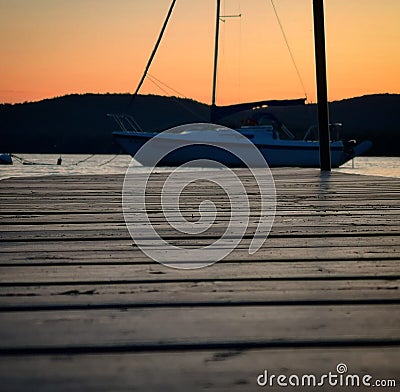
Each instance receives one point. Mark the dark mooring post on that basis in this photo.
(322, 90)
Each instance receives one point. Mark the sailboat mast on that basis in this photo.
(214, 86)
(153, 53)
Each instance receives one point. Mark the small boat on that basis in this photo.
(276, 143)
(5, 159)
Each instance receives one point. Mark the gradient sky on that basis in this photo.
(56, 47)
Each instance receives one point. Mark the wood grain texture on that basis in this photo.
(82, 308)
(198, 370)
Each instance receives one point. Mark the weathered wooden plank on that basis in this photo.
(215, 370)
(100, 218)
(41, 275)
(273, 241)
(285, 194)
(122, 251)
(289, 200)
(164, 293)
(298, 175)
(130, 257)
(280, 222)
(52, 222)
(149, 328)
(217, 230)
(321, 207)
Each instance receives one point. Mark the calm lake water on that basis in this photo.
(45, 164)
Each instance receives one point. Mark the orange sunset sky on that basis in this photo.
(56, 47)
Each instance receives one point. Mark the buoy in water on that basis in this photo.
(59, 160)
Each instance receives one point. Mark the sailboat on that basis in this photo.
(273, 139)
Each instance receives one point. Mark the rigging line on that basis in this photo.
(153, 53)
(239, 83)
(28, 162)
(110, 160)
(166, 85)
(179, 102)
(158, 86)
(288, 47)
(19, 159)
(239, 54)
(84, 160)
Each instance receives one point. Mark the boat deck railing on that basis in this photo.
(126, 122)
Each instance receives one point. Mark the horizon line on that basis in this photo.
(175, 96)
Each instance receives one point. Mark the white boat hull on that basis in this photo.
(277, 153)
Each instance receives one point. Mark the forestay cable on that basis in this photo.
(288, 47)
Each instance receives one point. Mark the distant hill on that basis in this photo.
(78, 123)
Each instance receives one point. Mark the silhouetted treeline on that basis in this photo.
(78, 123)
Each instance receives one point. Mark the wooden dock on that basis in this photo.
(83, 309)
